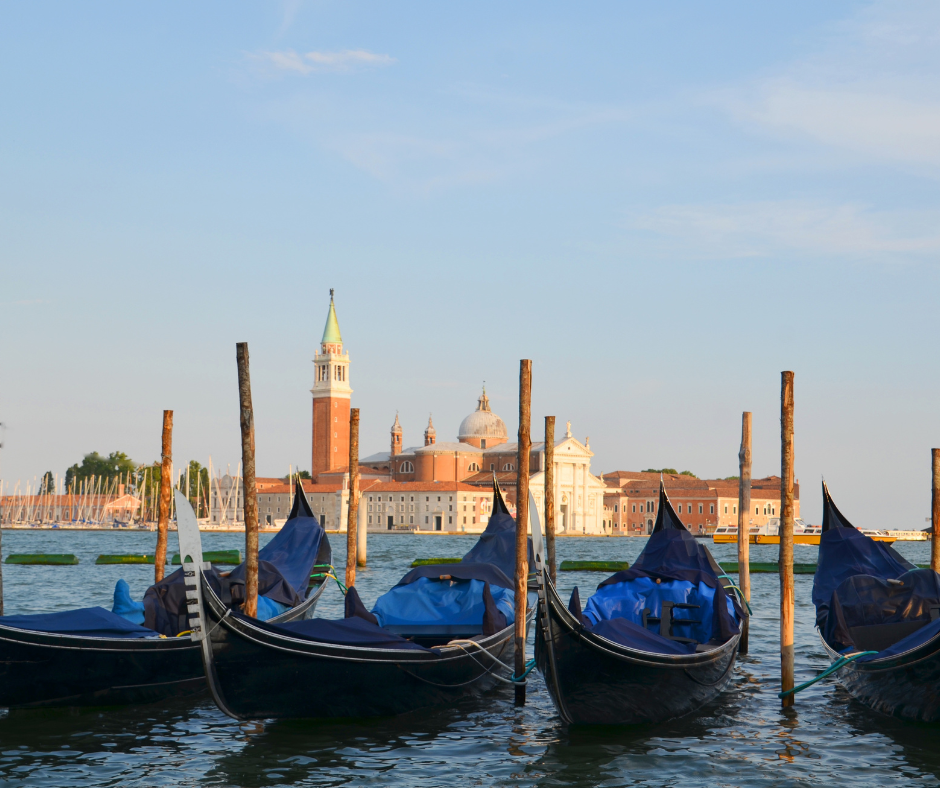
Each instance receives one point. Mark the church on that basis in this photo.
(429, 474)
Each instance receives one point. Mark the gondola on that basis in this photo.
(654, 642)
(878, 617)
(443, 632)
(95, 657)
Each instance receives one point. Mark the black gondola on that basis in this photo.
(869, 598)
(93, 657)
(656, 641)
(353, 667)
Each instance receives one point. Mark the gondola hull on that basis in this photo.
(39, 669)
(256, 673)
(594, 681)
(906, 685)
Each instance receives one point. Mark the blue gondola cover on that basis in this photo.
(95, 622)
(673, 567)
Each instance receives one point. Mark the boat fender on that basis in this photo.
(355, 608)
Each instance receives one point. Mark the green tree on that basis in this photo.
(47, 485)
(117, 463)
(198, 491)
(298, 474)
(673, 471)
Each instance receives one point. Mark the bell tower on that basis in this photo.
(331, 395)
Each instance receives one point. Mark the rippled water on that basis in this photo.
(743, 738)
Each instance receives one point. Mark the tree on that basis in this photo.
(298, 475)
(198, 483)
(47, 485)
(117, 463)
(673, 471)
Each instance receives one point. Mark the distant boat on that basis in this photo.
(803, 533)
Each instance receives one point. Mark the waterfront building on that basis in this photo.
(331, 400)
(702, 504)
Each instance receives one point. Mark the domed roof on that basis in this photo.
(482, 423)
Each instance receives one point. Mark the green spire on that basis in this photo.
(331, 333)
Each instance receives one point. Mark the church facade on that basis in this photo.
(421, 487)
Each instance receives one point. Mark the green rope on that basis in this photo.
(528, 669)
(327, 574)
(837, 665)
(740, 593)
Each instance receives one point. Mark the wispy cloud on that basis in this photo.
(767, 228)
(346, 61)
(872, 88)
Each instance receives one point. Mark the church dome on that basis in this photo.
(482, 423)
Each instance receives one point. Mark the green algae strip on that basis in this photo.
(759, 568)
(42, 559)
(593, 566)
(433, 561)
(123, 558)
(216, 557)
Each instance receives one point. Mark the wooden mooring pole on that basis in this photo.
(352, 518)
(935, 513)
(247, 420)
(166, 487)
(744, 510)
(550, 495)
(522, 519)
(785, 559)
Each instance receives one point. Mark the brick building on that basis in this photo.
(631, 499)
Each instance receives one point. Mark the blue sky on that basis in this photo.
(663, 207)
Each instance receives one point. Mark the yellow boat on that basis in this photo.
(769, 533)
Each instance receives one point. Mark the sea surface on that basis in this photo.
(742, 739)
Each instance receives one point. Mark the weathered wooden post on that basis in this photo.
(550, 494)
(744, 508)
(522, 519)
(166, 487)
(352, 519)
(786, 537)
(935, 513)
(247, 420)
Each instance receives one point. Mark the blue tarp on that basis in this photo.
(628, 600)
(912, 641)
(125, 606)
(427, 602)
(293, 553)
(673, 566)
(497, 543)
(866, 591)
(423, 599)
(344, 632)
(95, 622)
(845, 552)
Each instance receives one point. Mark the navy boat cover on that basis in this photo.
(472, 593)
(867, 596)
(673, 567)
(92, 622)
(497, 543)
(468, 597)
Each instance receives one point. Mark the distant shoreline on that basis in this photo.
(72, 528)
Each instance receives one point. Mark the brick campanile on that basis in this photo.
(331, 394)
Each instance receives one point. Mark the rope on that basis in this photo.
(739, 592)
(512, 680)
(837, 665)
(329, 574)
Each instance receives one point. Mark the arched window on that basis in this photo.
(473, 467)
(509, 467)
(406, 467)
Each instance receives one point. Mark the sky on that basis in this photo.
(662, 205)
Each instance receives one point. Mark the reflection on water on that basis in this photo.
(743, 738)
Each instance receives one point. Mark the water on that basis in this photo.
(742, 739)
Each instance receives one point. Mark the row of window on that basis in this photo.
(408, 467)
